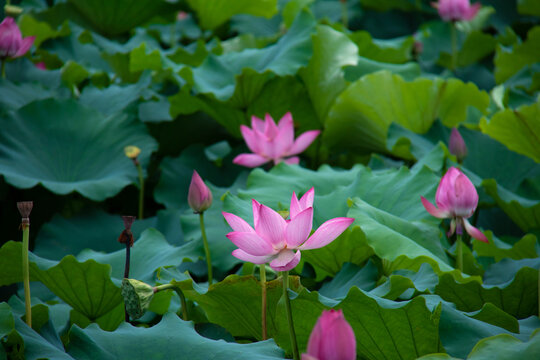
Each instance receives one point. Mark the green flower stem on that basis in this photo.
(3, 68)
(126, 273)
(344, 15)
(141, 190)
(180, 294)
(459, 253)
(206, 248)
(454, 46)
(292, 334)
(263, 305)
(26, 273)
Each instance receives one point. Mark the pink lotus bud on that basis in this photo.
(456, 198)
(457, 146)
(199, 196)
(182, 15)
(41, 65)
(332, 338)
(456, 10)
(12, 45)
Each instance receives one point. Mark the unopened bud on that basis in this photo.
(457, 146)
(199, 195)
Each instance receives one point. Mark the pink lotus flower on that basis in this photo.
(456, 145)
(456, 10)
(271, 142)
(456, 198)
(12, 44)
(199, 195)
(279, 241)
(332, 338)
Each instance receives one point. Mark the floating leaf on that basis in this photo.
(34, 151)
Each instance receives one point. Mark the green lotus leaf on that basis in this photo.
(516, 298)
(523, 249)
(182, 341)
(528, 7)
(117, 17)
(506, 347)
(384, 329)
(394, 51)
(79, 151)
(507, 63)
(85, 286)
(519, 129)
(217, 75)
(213, 13)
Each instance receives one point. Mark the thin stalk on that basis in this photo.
(454, 46)
(3, 68)
(459, 251)
(180, 294)
(344, 15)
(126, 273)
(292, 334)
(263, 304)
(141, 190)
(539, 293)
(26, 274)
(206, 248)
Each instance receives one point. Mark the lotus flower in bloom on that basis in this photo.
(12, 44)
(332, 338)
(456, 10)
(199, 195)
(271, 142)
(456, 198)
(457, 146)
(278, 241)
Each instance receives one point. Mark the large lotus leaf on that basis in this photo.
(181, 342)
(24, 342)
(14, 96)
(529, 7)
(324, 75)
(507, 63)
(68, 147)
(41, 30)
(85, 286)
(523, 249)
(397, 240)
(350, 275)
(119, 16)
(217, 75)
(394, 51)
(235, 304)
(360, 117)
(518, 129)
(523, 211)
(506, 347)
(98, 231)
(213, 13)
(518, 298)
(150, 252)
(503, 272)
(409, 71)
(384, 329)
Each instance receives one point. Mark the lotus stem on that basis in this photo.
(453, 64)
(344, 15)
(180, 294)
(206, 248)
(263, 304)
(288, 309)
(459, 253)
(126, 237)
(141, 190)
(25, 207)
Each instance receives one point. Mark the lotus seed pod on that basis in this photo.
(137, 297)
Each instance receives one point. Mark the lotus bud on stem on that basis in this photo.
(200, 199)
(133, 152)
(25, 208)
(180, 293)
(126, 237)
(292, 334)
(457, 145)
(459, 252)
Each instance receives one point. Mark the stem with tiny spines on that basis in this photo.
(26, 274)
(459, 253)
(206, 248)
(453, 65)
(126, 272)
(141, 190)
(180, 294)
(292, 334)
(263, 305)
